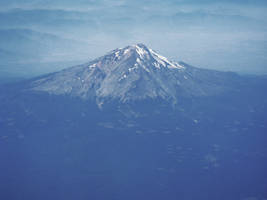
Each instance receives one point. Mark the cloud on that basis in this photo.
(193, 31)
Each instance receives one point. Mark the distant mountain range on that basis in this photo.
(28, 46)
(27, 53)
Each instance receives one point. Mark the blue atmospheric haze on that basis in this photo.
(67, 136)
(225, 35)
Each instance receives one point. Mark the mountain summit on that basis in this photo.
(132, 73)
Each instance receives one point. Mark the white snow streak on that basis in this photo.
(92, 66)
(142, 53)
(164, 61)
(126, 51)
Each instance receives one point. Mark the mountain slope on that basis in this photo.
(53, 136)
(133, 73)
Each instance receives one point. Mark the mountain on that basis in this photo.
(135, 83)
(138, 80)
(135, 73)
(133, 125)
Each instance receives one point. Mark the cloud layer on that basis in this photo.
(213, 34)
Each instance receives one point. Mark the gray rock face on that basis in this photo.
(132, 73)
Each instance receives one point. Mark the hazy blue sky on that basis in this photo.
(205, 33)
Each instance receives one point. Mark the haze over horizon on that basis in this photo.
(42, 36)
(112, 99)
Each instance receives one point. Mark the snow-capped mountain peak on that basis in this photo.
(127, 74)
(144, 55)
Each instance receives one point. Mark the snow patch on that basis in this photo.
(157, 57)
(164, 61)
(92, 66)
(117, 54)
(156, 64)
(179, 66)
(133, 68)
(141, 64)
(123, 77)
(126, 51)
(145, 68)
(141, 52)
